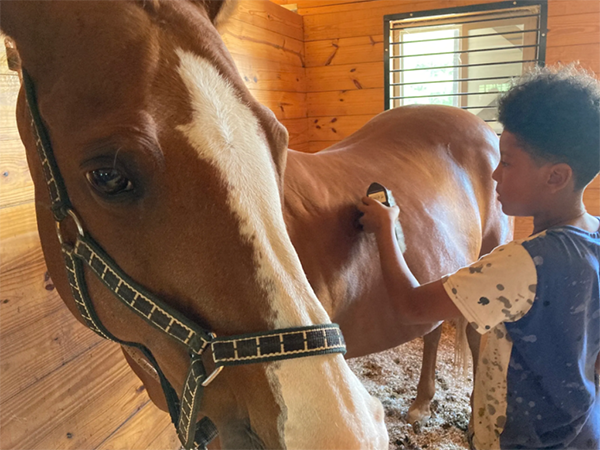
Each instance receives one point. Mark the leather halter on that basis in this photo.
(236, 350)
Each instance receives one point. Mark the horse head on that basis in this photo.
(176, 172)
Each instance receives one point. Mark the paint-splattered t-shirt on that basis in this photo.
(536, 303)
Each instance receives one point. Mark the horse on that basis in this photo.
(201, 212)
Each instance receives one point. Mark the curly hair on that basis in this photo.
(555, 114)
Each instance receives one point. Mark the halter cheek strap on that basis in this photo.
(274, 345)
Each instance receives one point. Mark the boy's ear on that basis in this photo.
(559, 177)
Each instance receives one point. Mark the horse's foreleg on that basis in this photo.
(419, 411)
(474, 340)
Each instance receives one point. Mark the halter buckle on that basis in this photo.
(71, 213)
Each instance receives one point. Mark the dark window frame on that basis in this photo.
(541, 33)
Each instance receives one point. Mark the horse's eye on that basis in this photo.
(109, 181)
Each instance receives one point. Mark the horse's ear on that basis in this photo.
(219, 10)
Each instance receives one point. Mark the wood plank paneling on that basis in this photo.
(303, 5)
(31, 353)
(366, 19)
(344, 103)
(25, 298)
(523, 227)
(333, 128)
(298, 132)
(262, 44)
(587, 54)
(345, 77)
(16, 222)
(571, 7)
(147, 429)
(360, 49)
(167, 439)
(268, 16)
(45, 365)
(592, 202)
(270, 75)
(573, 30)
(595, 183)
(285, 105)
(16, 185)
(101, 394)
(266, 42)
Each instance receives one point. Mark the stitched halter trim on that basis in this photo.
(274, 345)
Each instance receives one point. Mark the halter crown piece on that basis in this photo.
(236, 350)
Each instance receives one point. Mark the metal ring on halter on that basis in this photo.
(77, 221)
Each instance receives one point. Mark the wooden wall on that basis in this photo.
(344, 61)
(61, 386)
(267, 45)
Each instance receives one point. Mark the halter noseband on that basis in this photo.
(236, 350)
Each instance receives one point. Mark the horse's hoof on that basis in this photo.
(416, 426)
(418, 415)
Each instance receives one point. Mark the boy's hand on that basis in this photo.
(376, 216)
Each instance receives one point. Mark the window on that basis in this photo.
(462, 57)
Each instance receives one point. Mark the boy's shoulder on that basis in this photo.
(554, 247)
(562, 232)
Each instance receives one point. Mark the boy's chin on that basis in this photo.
(512, 209)
(515, 211)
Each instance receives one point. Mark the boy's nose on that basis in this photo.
(496, 174)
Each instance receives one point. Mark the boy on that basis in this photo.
(536, 301)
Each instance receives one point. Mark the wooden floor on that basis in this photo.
(62, 386)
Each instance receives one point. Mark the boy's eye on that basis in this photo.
(504, 163)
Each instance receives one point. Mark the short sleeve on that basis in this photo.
(500, 287)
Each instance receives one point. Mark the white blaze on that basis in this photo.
(225, 133)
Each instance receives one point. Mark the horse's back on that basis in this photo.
(421, 134)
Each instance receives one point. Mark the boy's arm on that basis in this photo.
(415, 304)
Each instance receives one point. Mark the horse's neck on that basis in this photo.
(320, 216)
(340, 262)
(307, 196)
